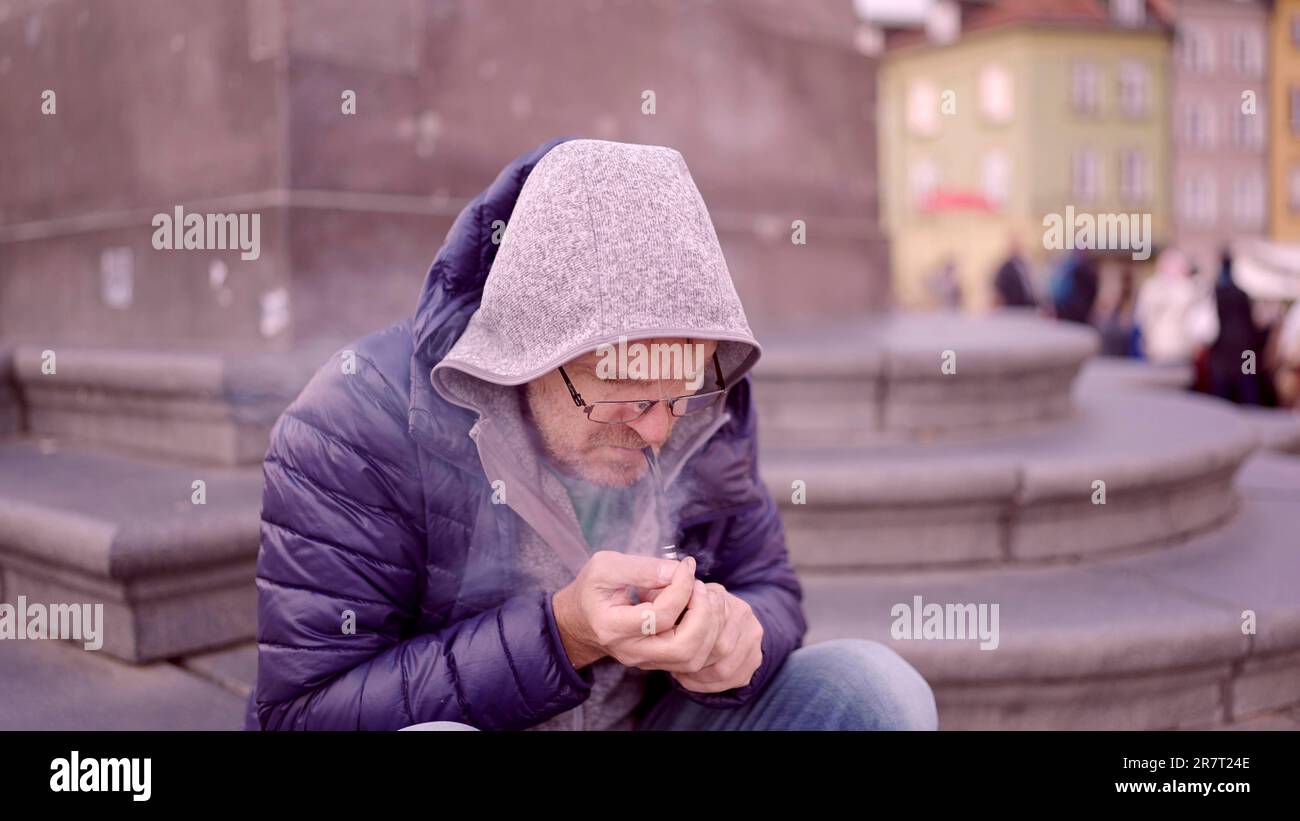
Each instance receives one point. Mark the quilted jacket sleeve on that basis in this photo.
(339, 582)
(756, 567)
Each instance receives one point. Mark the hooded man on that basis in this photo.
(470, 526)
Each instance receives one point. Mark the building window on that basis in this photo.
(1248, 201)
(1239, 125)
(1134, 88)
(922, 108)
(1295, 30)
(1198, 202)
(1293, 107)
(923, 179)
(1246, 52)
(997, 94)
(1085, 177)
(1197, 46)
(1247, 129)
(1134, 177)
(996, 172)
(1128, 12)
(1293, 189)
(1086, 88)
(943, 21)
(1198, 125)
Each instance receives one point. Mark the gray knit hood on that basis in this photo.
(607, 240)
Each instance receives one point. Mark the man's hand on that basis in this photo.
(596, 616)
(736, 654)
(717, 645)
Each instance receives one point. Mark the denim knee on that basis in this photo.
(867, 685)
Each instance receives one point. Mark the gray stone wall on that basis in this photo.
(236, 106)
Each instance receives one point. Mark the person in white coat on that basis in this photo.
(1175, 314)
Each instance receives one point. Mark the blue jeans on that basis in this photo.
(845, 684)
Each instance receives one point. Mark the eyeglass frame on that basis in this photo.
(587, 408)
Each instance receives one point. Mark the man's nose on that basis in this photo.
(655, 426)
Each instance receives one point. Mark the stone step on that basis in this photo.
(1277, 428)
(193, 407)
(1166, 460)
(1108, 373)
(882, 379)
(233, 668)
(174, 577)
(1143, 642)
(55, 685)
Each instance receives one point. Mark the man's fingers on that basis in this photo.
(648, 593)
(729, 636)
(610, 569)
(688, 645)
(713, 679)
(670, 601)
(649, 618)
(626, 622)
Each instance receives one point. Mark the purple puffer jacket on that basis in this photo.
(376, 507)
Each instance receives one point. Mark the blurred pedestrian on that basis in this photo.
(1013, 284)
(944, 286)
(1286, 354)
(1232, 376)
(1175, 315)
(1118, 331)
(1074, 288)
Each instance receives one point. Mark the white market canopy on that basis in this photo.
(1267, 270)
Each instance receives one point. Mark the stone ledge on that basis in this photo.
(880, 380)
(1266, 683)
(1168, 464)
(1181, 700)
(1108, 373)
(1285, 719)
(1146, 642)
(174, 577)
(1277, 429)
(211, 408)
(55, 685)
(234, 667)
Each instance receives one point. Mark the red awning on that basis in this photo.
(947, 200)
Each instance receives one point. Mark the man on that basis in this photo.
(469, 527)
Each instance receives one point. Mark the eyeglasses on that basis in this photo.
(620, 412)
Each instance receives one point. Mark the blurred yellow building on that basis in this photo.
(1021, 110)
(1284, 125)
